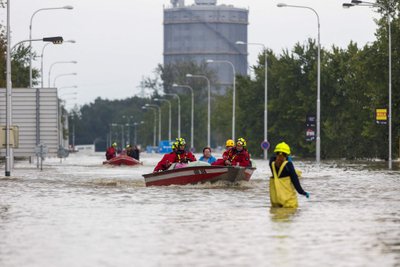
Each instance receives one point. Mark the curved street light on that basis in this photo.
(179, 112)
(234, 91)
(265, 92)
(62, 75)
(159, 120)
(155, 123)
(41, 59)
(169, 120)
(30, 37)
(318, 143)
(192, 111)
(189, 75)
(59, 62)
(369, 4)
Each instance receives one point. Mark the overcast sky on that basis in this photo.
(120, 41)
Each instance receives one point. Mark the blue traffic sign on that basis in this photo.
(265, 145)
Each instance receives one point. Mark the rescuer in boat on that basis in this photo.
(235, 156)
(285, 182)
(178, 155)
(229, 144)
(111, 152)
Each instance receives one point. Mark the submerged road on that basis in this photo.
(81, 213)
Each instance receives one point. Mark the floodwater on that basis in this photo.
(80, 213)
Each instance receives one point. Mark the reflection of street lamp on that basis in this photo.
(62, 75)
(364, 3)
(41, 60)
(179, 112)
(155, 124)
(30, 37)
(265, 92)
(59, 62)
(169, 120)
(318, 143)
(234, 91)
(188, 75)
(192, 111)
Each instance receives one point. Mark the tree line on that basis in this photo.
(354, 83)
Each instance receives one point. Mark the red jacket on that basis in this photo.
(110, 153)
(240, 158)
(174, 157)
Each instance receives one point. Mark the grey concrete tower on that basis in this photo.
(204, 31)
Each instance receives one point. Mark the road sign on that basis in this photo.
(265, 145)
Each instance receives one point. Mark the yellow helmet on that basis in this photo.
(282, 147)
(241, 141)
(114, 144)
(180, 142)
(230, 142)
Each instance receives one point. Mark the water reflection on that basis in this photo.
(282, 214)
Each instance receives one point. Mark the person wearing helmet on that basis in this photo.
(111, 152)
(178, 155)
(235, 156)
(284, 181)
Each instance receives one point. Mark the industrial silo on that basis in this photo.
(204, 31)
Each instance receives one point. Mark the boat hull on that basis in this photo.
(122, 160)
(198, 174)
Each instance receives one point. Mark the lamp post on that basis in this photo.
(62, 75)
(135, 131)
(192, 112)
(189, 75)
(9, 49)
(265, 92)
(159, 120)
(179, 112)
(8, 94)
(67, 87)
(41, 60)
(369, 4)
(128, 118)
(155, 124)
(234, 91)
(318, 143)
(59, 62)
(30, 37)
(169, 119)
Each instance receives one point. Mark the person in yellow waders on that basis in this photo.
(284, 181)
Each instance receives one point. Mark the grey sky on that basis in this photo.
(120, 41)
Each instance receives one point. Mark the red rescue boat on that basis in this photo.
(198, 174)
(122, 160)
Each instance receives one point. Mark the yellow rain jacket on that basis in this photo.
(282, 192)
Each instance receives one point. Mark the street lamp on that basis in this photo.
(30, 37)
(62, 75)
(179, 113)
(59, 62)
(9, 49)
(234, 91)
(318, 143)
(135, 131)
(159, 120)
(67, 87)
(169, 120)
(155, 124)
(364, 3)
(41, 59)
(265, 92)
(189, 75)
(129, 128)
(192, 112)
